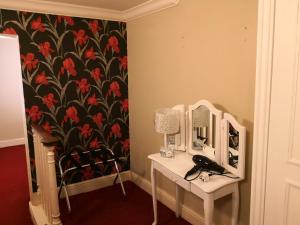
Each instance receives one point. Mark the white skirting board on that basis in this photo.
(12, 142)
(187, 213)
(95, 184)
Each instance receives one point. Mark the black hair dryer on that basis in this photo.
(204, 164)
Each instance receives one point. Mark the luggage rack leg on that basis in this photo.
(63, 174)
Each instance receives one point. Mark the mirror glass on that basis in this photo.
(233, 146)
(203, 128)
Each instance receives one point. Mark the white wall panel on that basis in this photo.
(11, 123)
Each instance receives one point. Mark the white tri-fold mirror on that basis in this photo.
(233, 143)
(205, 131)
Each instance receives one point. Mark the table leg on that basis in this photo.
(235, 204)
(208, 209)
(154, 199)
(178, 189)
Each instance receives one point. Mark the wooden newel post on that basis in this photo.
(53, 187)
(46, 142)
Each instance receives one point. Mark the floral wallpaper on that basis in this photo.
(75, 83)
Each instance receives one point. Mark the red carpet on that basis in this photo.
(14, 187)
(108, 207)
(104, 207)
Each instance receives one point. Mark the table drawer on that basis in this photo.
(172, 176)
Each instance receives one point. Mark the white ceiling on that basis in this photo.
(116, 10)
(106, 4)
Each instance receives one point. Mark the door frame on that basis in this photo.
(22, 100)
(264, 64)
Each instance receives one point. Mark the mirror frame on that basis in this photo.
(240, 170)
(218, 115)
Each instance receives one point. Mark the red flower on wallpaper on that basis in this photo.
(46, 126)
(96, 74)
(116, 130)
(41, 78)
(87, 173)
(126, 145)
(85, 130)
(34, 113)
(80, 36)
(125, 105)
(114, 88)
(49, 100)
(45, 49)
(92, 100)
(95, 143)
(90, 54)
(124, 62)
(98, 119)
(37, 24)
(68, 19)
(71, 113)
(69, 65)
(29, 61)
(113, 43)
(94, 26)
(83, 85)
(9, 30)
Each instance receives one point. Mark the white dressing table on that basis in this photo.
(176, 168)
(207, 131)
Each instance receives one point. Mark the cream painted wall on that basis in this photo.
(11, 121)
(201, 49)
